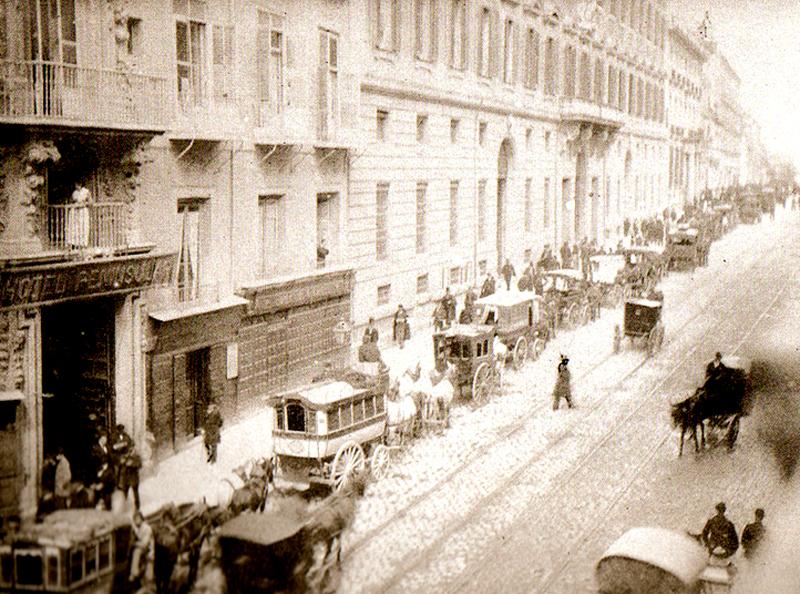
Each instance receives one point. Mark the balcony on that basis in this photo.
(94, 228)
(51, 94)
(583, 111)
(204, 117)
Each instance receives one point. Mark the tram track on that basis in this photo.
(418, 559)
(509, 432)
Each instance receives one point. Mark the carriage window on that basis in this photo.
(465, 350)
(53, 573)
(333, 419)
(295, 417)
(104, 560)
(369, 403)
(379, 403)
(90, 554)
(29, 568)
(486, 347)
(358, 411)
(75, 566)
(479, 349)
(346, 411)
(279, 418)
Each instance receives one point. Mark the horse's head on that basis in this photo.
(683, 411)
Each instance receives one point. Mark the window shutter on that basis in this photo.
(262, 50)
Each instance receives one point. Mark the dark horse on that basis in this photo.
(702, 406)
(687, 415)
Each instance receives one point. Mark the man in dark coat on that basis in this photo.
(469, 299)
(128, 464)
(508, 273)
(566, 255)
(720, 532)
(212, 432)
(371, 332)
(488, 287)
(400, 329)
(105, 476)
(449, 304)
(563, 388)
(752, 534)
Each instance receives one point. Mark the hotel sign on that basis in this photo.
(24, 287)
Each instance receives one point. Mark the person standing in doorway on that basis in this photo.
(128, 464)
(63, 481)
(563, 387)
(212, 432)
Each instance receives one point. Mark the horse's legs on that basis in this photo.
(680, 447)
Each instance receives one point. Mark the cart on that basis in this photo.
(608, 273)
(650, 560)
(470, 348)
(73, 550)
(642, 321)
(684, 250)
(324, 432)
(728, 400)
(518, 321)
(565, 291)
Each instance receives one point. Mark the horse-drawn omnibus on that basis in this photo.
(517, 318)
(73, 551)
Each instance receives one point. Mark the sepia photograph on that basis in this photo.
(399, 296)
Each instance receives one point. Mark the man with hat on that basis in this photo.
(563, 388)
(719, 534)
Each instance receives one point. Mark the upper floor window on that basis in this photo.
(482, 212)
(422, 128)
(509, 34)
(528, 214)
(381, 123)
(134, 44)
(328, 82)
(531, 78)
(454, 126)
(191, 221)
(327, 227)
(190, 48)
(454, 212)
(482, 133)
(585, 90)
(569, 71)
(381, 220)
(425, 30)
(50, 28)
(272, 232)
(386, 24)
(485, 57)
(612, 86)
(422, 216)
(458, 34)
(599, 76)
(222, 60)
(550, 67)
(271, 48)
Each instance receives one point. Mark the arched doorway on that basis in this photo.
(504, 165)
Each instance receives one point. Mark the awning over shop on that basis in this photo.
(176, 313)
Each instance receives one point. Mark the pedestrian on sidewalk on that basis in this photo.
(563, 388)
(400, 328)
(212, 432)
(371, 332)
(752, 534)
(128, 463)
(508, 273)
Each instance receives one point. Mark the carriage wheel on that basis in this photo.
(481, 383)
(733, 432)
(571, 315)
(520, 352)
(586, 314)
(349, 461)
(379, 461)
(537, 349)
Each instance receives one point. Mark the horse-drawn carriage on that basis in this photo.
(74, 550)
(566, 294)
(644, 267)
(716, 408)
(642, 320)
(608, 274)
(685, 249)
(470, 350)
(518, 321)
(651, 560)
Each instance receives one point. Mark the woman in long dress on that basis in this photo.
(78, 217)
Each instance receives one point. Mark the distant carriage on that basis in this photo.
(645, 266)
(608, 273)
(519, 323)
(76, 551)
(658, 561)
(469, 348)
(685, 249)
(642, 321)
(565, 291)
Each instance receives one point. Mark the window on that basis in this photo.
(381, 220)
(189, 253)
(327, 226)
(631, 95)
(190, 44)
(454, 212)
(455, 275)
(612, 86)
(508, 51)
(50, 40)
(585, 90)
(381, 121)
(425, 30)
(454, 125)
(198, 384)
(328, 83)
(482, 210)
(422, 284)
(482, 266)
(422, 124)
(134, 43)
(484, 43)
(222, 60)
(482, 133)
(270, 42)
(550, 67)
(270, 209)
(599, 75)
(528, 138)
(384, 294)
(531, 78)
(458, 34)
(547, 206)
(622, 96)
(528, 206)
(386, 24)
(547, 141)
(569, 72)
(422, 206)
(527, 255)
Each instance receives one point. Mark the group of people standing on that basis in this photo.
(722, 540)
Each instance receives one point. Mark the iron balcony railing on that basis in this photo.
(99, 226)
(50, 93)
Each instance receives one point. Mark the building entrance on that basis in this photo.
(77, 379)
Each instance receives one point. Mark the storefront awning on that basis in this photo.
(177, 313)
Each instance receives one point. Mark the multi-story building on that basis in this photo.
(687, 56)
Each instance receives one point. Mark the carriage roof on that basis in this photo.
(318, 396)
(68, 527)
(508, 298)
(263, 529)
(644, 249)
(648, 303)
(565, 272)
(674, 552)
(467, 331)
(734, 362)
(687, 232)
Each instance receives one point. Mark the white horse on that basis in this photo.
(401, 413)
(438, 401)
